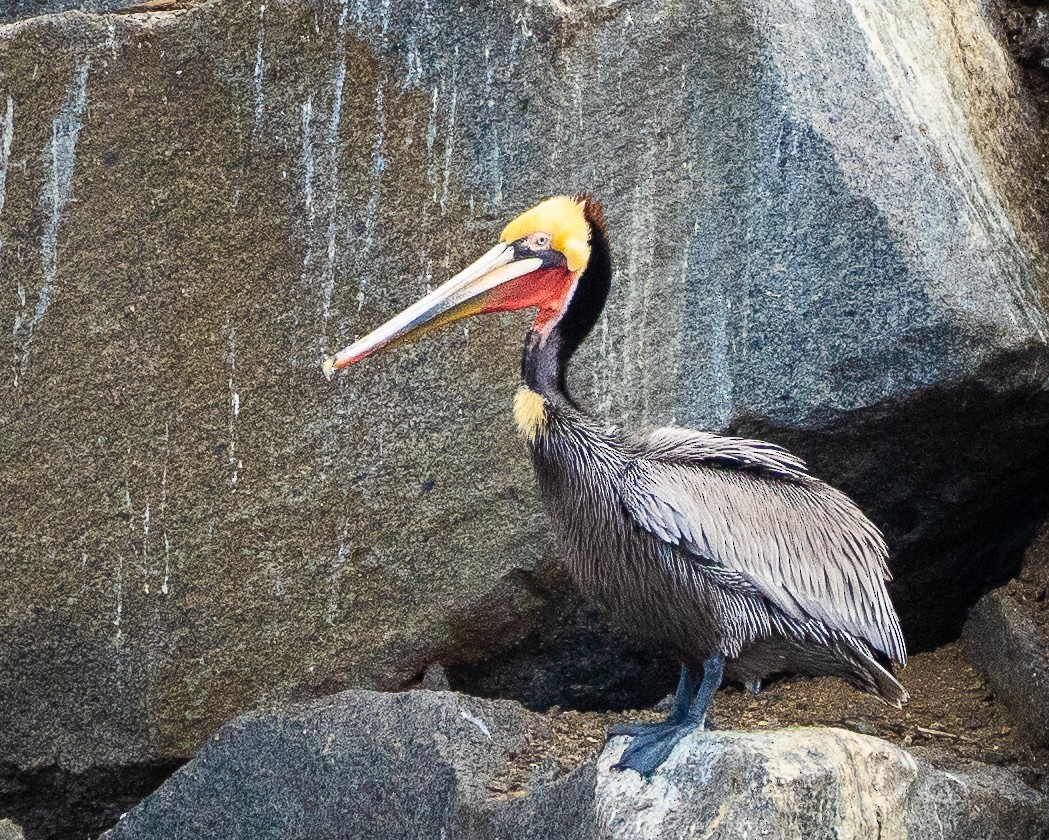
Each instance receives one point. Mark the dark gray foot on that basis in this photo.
(647, 752)
(653, 743)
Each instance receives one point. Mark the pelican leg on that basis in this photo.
(649, 750)
(686, 689)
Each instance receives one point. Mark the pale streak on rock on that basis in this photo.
(111, 39)
(59, 160)
(145, 546)
(118, 584)
(431, 138)
(164, 586)
(378, 167)
(234, 401)
(260, 69)
(478, 722)
(448, 147)
(497, 167)
(338, 563)
(720, 346)
(638, 283)
(6, 139)
(413, 63)
(321, 183)
(328, 281)
(118, 592)
(307, 155)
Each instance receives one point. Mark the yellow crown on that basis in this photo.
(562, 218)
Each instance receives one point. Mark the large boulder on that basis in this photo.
(430, 764)
(820, 784)
(363, 765)
(823, 218)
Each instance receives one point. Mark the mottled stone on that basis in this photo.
(1003, 642)
(824, 224)
(426, 764)
(18, 9)
(365, 765)
(10, 831)
(820, 784)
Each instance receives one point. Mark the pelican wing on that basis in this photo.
(751, 508)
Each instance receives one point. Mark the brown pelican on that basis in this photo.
(719, 551)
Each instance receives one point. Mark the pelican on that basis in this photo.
(721, 552)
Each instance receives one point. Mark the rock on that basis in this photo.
(364, 765)
(824, 221)
(13, 10)
(812, 783)
(427, 764)
(10, 831)
(1028, 30)
(1008, 642)
(1004, 643)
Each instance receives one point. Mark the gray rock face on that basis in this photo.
(824, 231)
(816, 784)
(1006, 640)
(365, 765)
(12, 10)
(1005, 644)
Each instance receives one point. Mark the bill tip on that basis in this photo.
(328, 366)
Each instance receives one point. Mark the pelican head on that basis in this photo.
(538, 262)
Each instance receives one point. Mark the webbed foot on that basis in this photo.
(654, 742)
(648, 751)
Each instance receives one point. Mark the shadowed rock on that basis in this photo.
(365, 765)
(1009, 643)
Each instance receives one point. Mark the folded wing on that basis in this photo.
(751, 508)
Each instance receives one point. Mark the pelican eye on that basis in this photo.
(539, 241)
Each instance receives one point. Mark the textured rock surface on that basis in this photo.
(1006, 640)
(419, 764)
(10, 831)
(813, 783)
(365, 765)
(824, 229)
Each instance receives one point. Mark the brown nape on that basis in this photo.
(593, 212)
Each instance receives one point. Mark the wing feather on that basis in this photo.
(752, 509)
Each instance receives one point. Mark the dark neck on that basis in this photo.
(545, 365)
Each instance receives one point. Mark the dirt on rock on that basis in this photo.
(1033, 596)
(951, 708)
(1030, 588)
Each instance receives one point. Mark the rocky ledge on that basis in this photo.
(1007, 638)
(427, 764)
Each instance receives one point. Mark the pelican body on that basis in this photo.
(721, 552)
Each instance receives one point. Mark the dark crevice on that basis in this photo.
(1026, 27)
(54, 804)
(571, 659)
(1023, 29)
